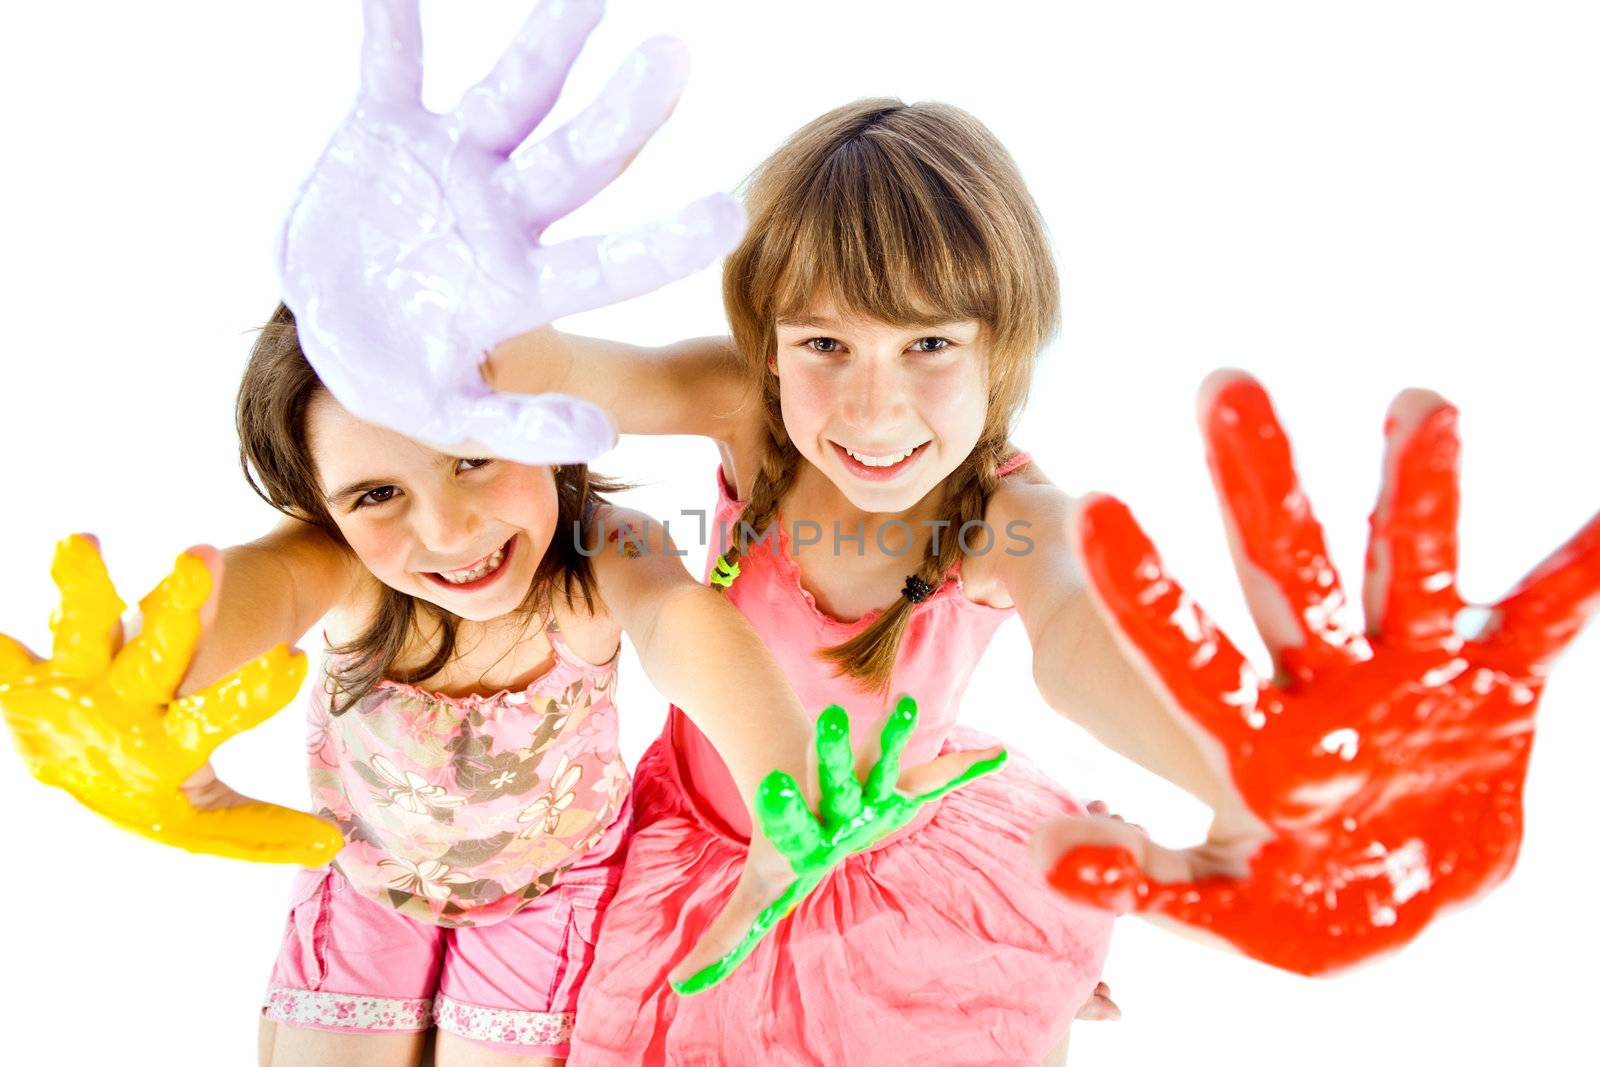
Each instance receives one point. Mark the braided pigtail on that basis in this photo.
(871, 654)
(780, 461)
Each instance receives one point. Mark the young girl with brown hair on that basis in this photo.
(887, 304)
(464, 738)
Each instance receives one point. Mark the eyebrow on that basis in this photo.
(366, 485)
(360, 488)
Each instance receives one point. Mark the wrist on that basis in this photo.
(526, 363)
(1238, 825)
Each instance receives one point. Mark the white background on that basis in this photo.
(1344, 198)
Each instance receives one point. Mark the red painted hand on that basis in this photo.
(1388, 766)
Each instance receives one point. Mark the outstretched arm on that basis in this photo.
(268, 592)
(694, 387)
(701, 654)
(1084, 674)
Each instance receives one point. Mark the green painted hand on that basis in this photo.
(854, 817)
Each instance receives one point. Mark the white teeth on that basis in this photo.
(463, 577)
(880, 461)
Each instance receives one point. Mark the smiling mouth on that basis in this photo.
(878, 465)
(479, 574)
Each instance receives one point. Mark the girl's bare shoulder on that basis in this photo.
(322, 575)
(358, 610)
(635, 559)
(1027, 513)
(1025, 494)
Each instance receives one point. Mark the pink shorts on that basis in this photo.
(352, 965)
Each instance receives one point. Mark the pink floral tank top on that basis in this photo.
(461, 810)
(942, 644)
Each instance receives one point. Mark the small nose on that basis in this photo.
(873, 397)
(446, 523)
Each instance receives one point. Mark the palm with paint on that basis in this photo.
(99, 718)
(1386, 765)
(854, 816)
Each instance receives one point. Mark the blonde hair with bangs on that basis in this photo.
(908, 214)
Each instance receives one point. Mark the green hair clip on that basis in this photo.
(854, 817)
(724, 572)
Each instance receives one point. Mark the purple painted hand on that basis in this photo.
(413, 247)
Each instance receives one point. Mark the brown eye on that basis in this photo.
(823, 344)
(930, 344)
(380, 495)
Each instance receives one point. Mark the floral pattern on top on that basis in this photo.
(461, 810)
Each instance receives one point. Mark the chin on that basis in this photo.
(888, 505)
(881, 501)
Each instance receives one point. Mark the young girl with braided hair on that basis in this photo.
(464, 738)
(887, 304)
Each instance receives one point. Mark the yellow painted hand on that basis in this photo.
(101, 722)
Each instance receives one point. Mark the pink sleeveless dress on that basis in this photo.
(942, 946)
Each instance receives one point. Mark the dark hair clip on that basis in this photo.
(916, 589)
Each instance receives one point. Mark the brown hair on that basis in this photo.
(274, 452)
(908, 214)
